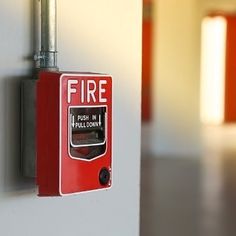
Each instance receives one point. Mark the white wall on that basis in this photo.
(217, 5)
(102, 36)
(176, 129)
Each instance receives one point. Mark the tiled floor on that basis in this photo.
(192, 197)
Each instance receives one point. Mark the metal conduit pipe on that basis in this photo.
(48, 53)
(46, 59)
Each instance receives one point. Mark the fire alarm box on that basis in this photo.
(74, 133)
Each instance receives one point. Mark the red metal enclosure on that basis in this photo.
(74, 133)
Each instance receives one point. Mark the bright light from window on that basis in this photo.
(213, 69)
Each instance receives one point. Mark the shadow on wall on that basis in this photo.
(13, 180)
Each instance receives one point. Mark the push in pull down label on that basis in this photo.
(87, 131)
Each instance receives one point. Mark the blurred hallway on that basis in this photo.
(195, 196)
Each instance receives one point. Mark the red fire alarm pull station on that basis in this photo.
(66, 124)
(74, 132)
